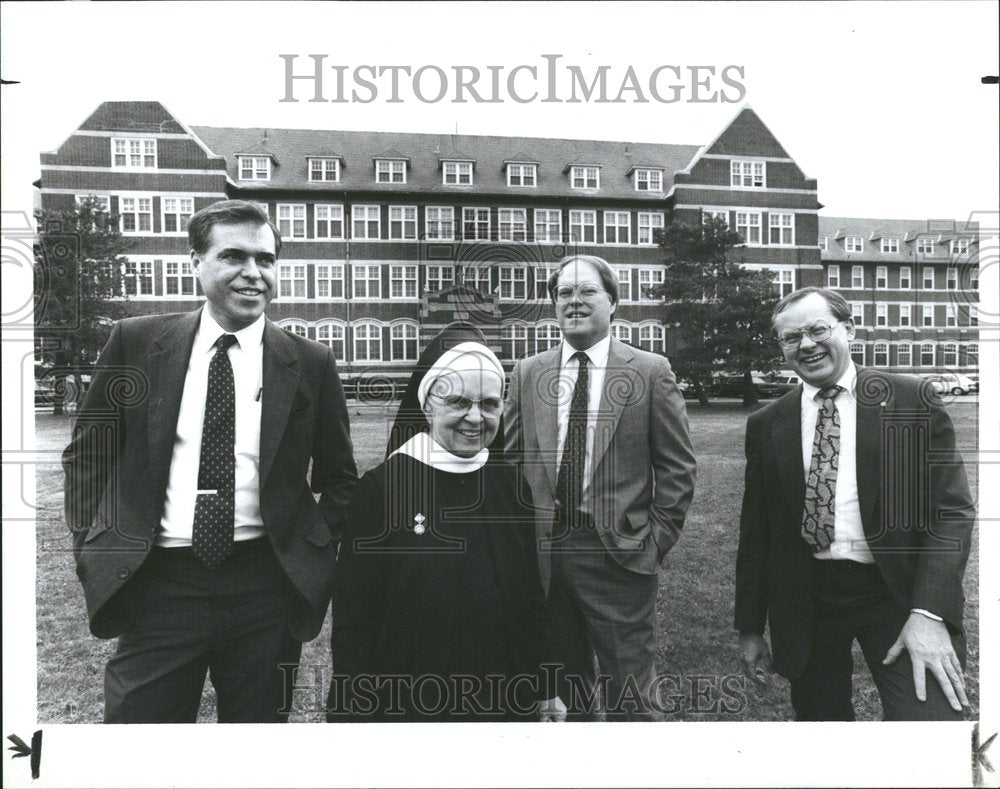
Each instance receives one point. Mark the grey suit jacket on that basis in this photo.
(642, 468)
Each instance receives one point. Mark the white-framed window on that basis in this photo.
(857, 277)
(748, 226)
(748, 175)
(522, 174)
(905, 319)
(972, 353)
(949, 354)
(905, 278)
(177, 213)
(178, 278)
(649, 278)
(390, 171)
(974, 279)
(514, 283)
(858, 352)
(477, 277)
(328, 221)
(648, 179)
(475, 224)
(403, 222)
(323, 169)
(457, 174)
(365, 221)
(925, 245)
(928, 278)
(951, 278)
(959, 246)
(928, 315)
(881, 277)
(136, 214)
(881, 314)
(973, 315)
(254, 168)
(833, 276)
(329, 280)
(854, 244)
(513, 341)
(858, 313)
(333, 335)
(133, 154)
(292, 220)
(293, 326)
(512, 224)
(583, 226)
(881, 354)
(890, 245)
(137, 278)
(782, 229)
(367, 341)
(624, 274)
(542, 274)
(292, 280)
(784, 282)
(622, 331)
(708, 215)
(824, 243)
(440, 277)
(439, 222)
(585, 177)
(366, 281)
(617, 227)
(950, 315)
(403, 341)
(652, 337)
(649, 223)
(403, 282)
(904, 354)
(927, 354)
(548, 225)
(547, 335)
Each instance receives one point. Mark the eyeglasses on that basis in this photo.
(462, 405)
(585, 292)
(817, 332)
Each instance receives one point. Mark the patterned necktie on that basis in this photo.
(212, 537)
(569, 486)
(821, 485)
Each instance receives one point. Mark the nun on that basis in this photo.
(438, 611)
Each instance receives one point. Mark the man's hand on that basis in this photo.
(552, 710)
(755, 657)
(930, 649)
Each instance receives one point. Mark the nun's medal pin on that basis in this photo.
(418, 523)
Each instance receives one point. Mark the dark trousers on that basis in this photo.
(852, 602)
(599, 607)
(230, 621)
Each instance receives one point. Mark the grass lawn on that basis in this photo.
(697, 647)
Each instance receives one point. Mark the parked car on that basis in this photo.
(953, 383)
(732, 384)
(975, 382)
(785, 383)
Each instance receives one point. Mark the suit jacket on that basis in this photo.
(642, 467)
(118, 462)
(916, 511)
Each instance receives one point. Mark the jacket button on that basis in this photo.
(124, 573)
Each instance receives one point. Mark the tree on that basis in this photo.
(720, 309)
(79, 294)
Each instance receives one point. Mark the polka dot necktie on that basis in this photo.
(569, 486)
(212, 538)
(821, 484)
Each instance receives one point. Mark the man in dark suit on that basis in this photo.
(600, 431)
(197, 536)
(856, 524)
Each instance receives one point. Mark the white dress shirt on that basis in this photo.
(246, 357)
(570, 369)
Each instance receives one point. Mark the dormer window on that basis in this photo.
(890, 245)
(324, 169)
(522, 174)
(457, 173)
(748, 175)
(254, 168)
(390, 171)
(648, 179)
(585, 177)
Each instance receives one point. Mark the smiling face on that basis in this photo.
(818, 363)
(583, 321)
(463, 409)
(237, 273)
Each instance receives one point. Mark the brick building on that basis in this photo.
(388, 236)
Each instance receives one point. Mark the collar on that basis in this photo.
(597, 353)
(209, 331)
(426, 450)
(847, 380)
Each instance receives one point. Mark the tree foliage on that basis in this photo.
(720, 309)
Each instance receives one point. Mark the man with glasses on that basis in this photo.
(600, 431)
(856, 524)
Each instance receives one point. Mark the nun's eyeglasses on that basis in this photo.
(462, 405)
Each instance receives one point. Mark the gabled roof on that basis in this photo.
(874, 230)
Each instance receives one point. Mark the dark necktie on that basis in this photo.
(212, 536)
(569, 486)
(821, 485)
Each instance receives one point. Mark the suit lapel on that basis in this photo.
(168, 365)
(868, 453)
(544, 394)
(280, 380)
(620, 381)
(786, 438)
